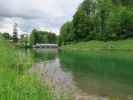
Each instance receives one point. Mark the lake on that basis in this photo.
(92, 75)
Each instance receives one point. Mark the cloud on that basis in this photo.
(44, 14)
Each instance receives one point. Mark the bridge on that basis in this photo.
(45, 46)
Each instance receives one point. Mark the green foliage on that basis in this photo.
(38, 36)
(120, 23)
(51, 38)
(120, 45)
(128, 3)
(87, 6)
(24, 41)
(59, 40)
(66, 32)
(42, 37)
(100, 20)
(6, 36)
(82, 25)
(15, 84)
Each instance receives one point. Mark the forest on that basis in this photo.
(103, 20)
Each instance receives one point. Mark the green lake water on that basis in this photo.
(92, 75)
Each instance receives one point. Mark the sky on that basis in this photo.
(46, 15)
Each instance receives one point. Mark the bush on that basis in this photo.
(119, 23)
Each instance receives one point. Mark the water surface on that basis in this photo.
(94, 75)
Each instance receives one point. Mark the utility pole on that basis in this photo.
(15, 33)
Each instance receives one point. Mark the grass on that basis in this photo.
(104, 66)
(97, 45)
(15, 82)
(112, 56)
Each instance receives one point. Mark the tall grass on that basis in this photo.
(96, 45)
(15, 83)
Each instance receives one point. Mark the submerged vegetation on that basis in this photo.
(15, 82)
(107, 73)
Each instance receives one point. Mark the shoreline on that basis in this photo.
(121, 45)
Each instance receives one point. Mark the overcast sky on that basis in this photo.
(43, 14)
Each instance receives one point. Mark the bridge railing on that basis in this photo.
(45, 46)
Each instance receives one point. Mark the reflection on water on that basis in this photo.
(59, 81)
(93, 76)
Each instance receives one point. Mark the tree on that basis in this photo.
(87, 6)
(120, 23)
(6, 36)
(82, 25)
(104, 7)
(66, 32)
(33, 37)
(42, 37)
(128, 3)
(100, 19)
(52, 38)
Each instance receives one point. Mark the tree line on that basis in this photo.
(99, 20)
(42, 37)
(35, 37)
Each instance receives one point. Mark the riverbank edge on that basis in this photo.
(96, 49)
(121, 45)
(18, 83)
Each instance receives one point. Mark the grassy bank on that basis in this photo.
(100, 45)
(15, 82)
